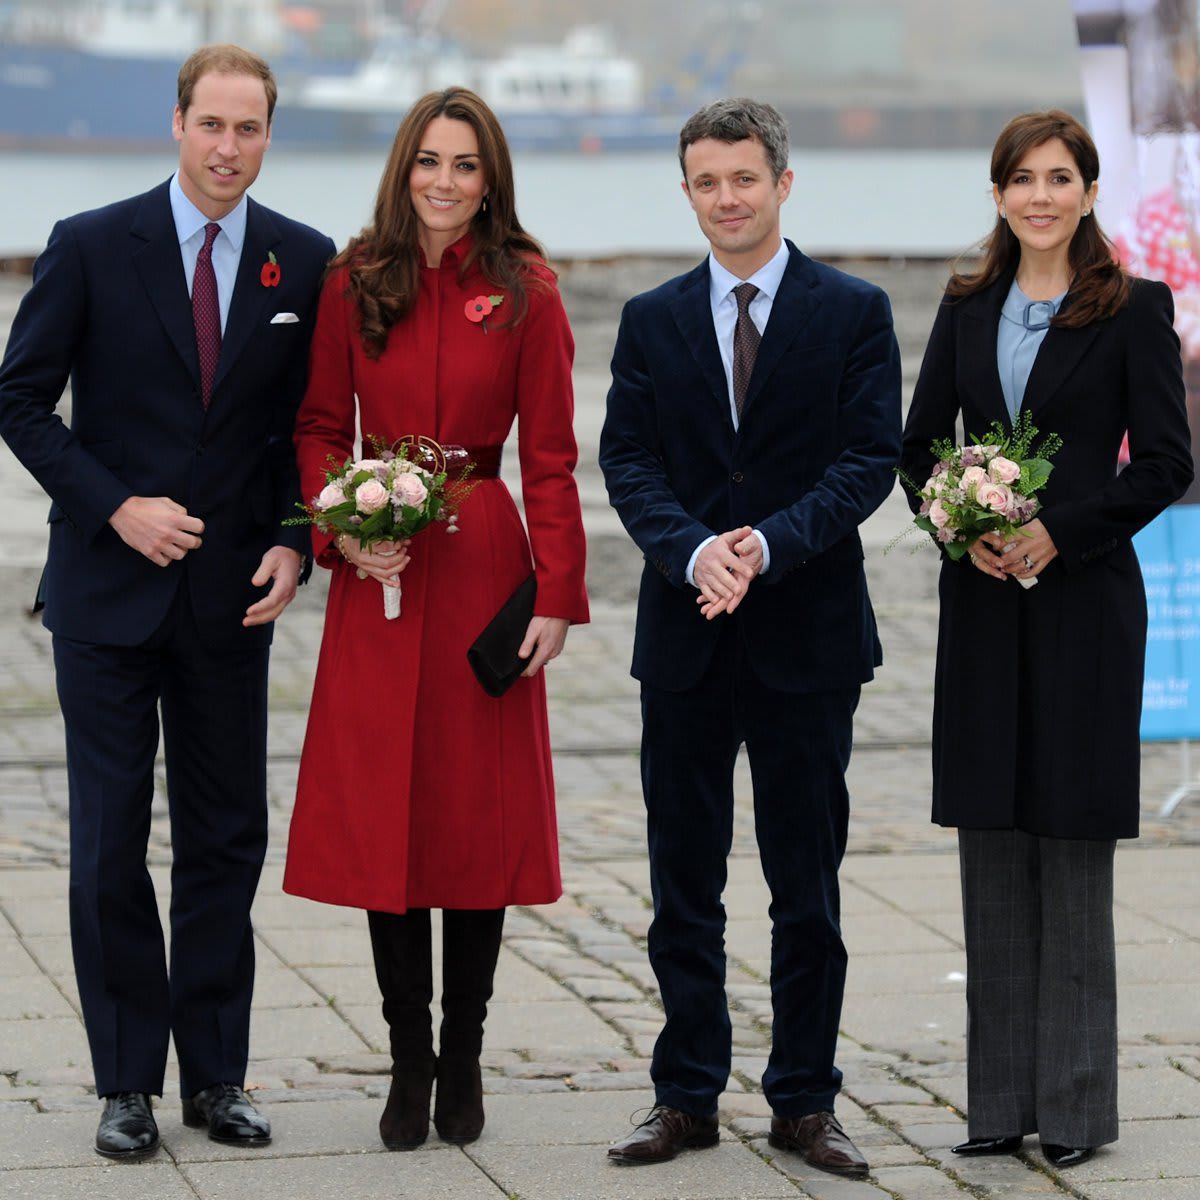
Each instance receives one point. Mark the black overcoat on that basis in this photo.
(1037, 695)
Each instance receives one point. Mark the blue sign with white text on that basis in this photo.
(1169, 551)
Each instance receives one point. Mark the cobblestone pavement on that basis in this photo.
(576, 1008)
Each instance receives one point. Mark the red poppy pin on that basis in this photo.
(270, 274)
(479, 309)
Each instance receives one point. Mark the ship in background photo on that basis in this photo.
(578, 77)
(96, 74)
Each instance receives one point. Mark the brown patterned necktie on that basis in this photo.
(206, 312)
(745, 345)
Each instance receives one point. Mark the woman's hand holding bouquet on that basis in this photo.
(981, 500)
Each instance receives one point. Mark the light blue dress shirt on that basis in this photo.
(226, 250)
(1024, 324)
(724, 313)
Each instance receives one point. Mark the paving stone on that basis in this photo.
(917, 1183)
(429, 1173)
(279, 1031)
(1147, 1150)
(31, 1048)
(582, 1173)
(339, 1126)
(32, 1139)
(124, 1181)
(23, 996)
(612, 1081)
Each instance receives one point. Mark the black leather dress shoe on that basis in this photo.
(662, 1135)
(978, 1146)
(127, 1129)
(1066, 1156)
(230, 1116)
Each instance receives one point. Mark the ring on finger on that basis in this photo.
(972, 556)
(1028, 562)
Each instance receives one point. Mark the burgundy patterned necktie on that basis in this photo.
(745, 345)
(206, 312)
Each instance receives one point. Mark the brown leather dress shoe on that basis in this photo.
(821, 1141)
(663, 1134)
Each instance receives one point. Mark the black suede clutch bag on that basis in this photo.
(493, 655)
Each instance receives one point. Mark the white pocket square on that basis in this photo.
(285, 319)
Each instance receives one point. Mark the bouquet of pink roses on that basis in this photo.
(387, 498)
(988, 486)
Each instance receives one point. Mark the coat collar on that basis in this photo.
(159, 264)
(692, 310)
(797, 299)
(1056, 358)
(250, 295)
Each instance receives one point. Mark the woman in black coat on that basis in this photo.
(1036, 753)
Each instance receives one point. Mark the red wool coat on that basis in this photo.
(416, 788)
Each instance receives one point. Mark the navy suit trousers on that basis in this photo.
(214, 720)
(799, 748)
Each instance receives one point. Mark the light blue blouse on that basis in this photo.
(1023, 327)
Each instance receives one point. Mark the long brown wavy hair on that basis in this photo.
(1099, 287)
(384, 259)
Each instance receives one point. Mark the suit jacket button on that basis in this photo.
(737, 477)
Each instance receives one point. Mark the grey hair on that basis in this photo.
(734, 119)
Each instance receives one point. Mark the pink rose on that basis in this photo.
(939, 514)
(331, 494)
(410, 490)
(1003, 470)
(370, 496)
(935, 484)
(973, 477)
(369, 464)
(996, 496)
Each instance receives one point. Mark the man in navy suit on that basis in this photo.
(182, 318)
(753, 424)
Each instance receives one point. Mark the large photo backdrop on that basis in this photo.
(1141, 84)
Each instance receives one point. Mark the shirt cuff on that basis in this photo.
(762, 539)
(695, 555)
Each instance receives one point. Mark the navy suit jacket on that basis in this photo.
(813, 456)
(109, 308)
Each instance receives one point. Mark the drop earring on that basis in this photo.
(483, 206)
(1003, 214)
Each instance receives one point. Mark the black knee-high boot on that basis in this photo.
(470, 948)
(404, 969)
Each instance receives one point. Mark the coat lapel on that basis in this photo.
(977, 342)
(692, 311)
(794, 303)
(249, 294)
(159, 265)
(1057, 357)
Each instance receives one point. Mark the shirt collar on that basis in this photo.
(1017, 306)
(189, 220)
(767, 278)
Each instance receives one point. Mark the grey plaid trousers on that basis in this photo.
(1041, 987)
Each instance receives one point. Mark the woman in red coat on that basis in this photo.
(417, 789)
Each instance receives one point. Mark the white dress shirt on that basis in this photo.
(226, 249)
(724, 313)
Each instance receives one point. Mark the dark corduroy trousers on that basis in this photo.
(799, 747)
(1041, 987)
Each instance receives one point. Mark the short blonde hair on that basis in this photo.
(225, 59)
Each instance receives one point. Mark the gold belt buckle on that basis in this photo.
(427, 448)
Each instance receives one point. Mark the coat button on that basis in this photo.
(737, 477)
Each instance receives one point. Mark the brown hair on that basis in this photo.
(383, 259)
(225, 59)
(1099, 287)
(736, 119)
